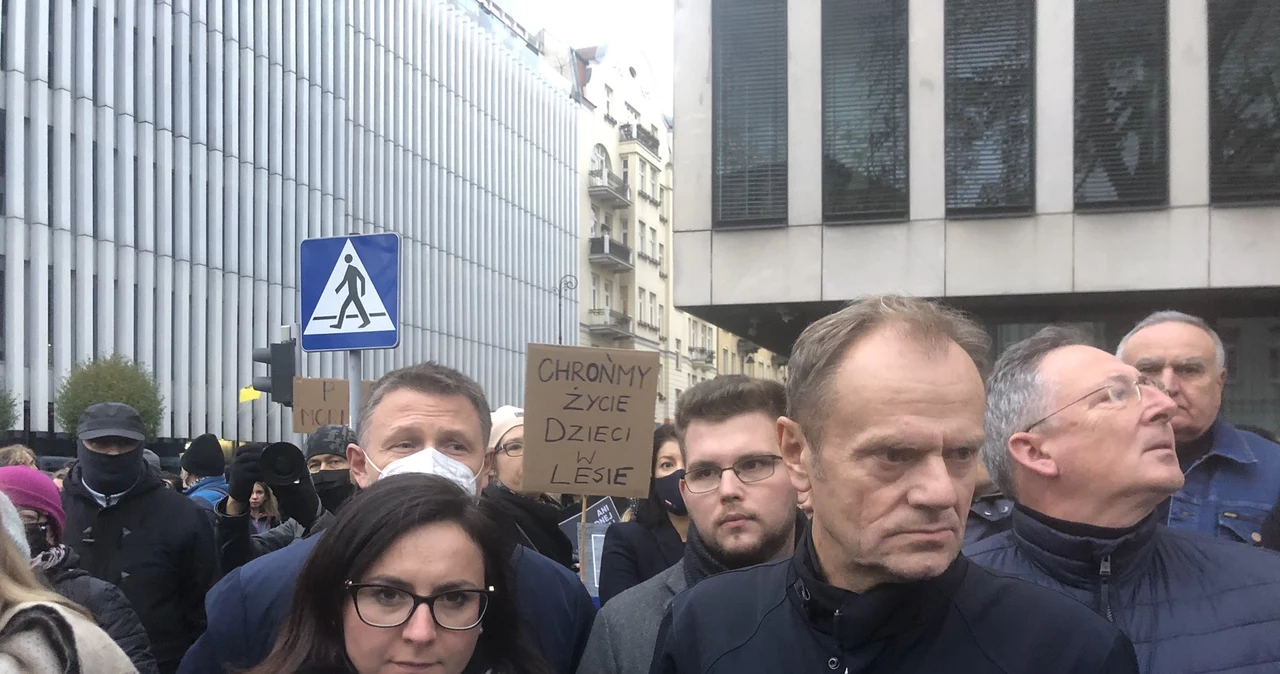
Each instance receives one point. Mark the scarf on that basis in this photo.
(50, 559)
(537, 521)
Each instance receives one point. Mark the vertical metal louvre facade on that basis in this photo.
(162, 160)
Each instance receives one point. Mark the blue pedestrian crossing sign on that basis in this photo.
(350, 288)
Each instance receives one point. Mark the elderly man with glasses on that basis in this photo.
(1084, 444)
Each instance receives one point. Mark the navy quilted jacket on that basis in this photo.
(1190, 604)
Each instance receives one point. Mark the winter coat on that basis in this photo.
(237, 544)
(783, 617)
(109, 606)
(247, 608)
(534, 524)
(208, 491)
(1191, 604)
(45, 638)
(634, 553)
(626, 628)
(154, 544)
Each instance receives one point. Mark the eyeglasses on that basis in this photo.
(749, 469)
(1119, 391)
(512, 449)
(386, 606)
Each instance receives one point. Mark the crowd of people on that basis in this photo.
(901, 505)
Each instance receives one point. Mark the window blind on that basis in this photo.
(1244, 112)
(1121, 104)
(864, 110)
(990, 99)
(749, 112)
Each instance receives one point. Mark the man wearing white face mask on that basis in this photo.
(424, 418)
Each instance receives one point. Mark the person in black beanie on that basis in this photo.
(202, 466)
(129, 530)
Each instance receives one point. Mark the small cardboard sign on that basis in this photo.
(318, 402)
(588, 420)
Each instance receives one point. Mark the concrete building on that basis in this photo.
(163, 160)
(1031, 161)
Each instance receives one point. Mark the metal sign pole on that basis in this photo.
(356, 382)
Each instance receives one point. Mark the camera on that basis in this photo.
(283, 464)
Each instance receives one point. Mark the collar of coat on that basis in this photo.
(885, 611)
(1075, 554)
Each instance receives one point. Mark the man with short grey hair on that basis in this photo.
(1232, 476)
(1084, 444)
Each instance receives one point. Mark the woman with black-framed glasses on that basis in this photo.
(411, 577)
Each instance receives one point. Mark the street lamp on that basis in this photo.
(568, 283)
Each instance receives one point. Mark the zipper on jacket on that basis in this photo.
(1104, 572)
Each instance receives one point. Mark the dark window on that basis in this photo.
(1244, 106)
(864, 110)
(1122, 104)
(749, 112)
(990, 90)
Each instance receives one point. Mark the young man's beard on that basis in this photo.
(772, 544)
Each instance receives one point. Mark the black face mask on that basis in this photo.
(37, 538)
(109, 474)
(333, 487)
(668, 489)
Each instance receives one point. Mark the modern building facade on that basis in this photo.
(1031, 161)
(163, 160)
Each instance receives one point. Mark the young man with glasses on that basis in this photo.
(1232, 475)
(742, 506)
(1085, 445)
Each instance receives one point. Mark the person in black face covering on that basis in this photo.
(639, 550)
(308, 506)
(129, 530)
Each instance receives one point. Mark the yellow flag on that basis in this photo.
(249, 393)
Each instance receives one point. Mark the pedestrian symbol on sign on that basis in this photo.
(348, 296)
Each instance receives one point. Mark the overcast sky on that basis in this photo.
(645, 25)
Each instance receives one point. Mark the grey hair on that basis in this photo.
(1159, 317)
(1018, 395)
(821, 348)
(429, 379)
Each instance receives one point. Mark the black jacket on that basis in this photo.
(783, 617)
(1188, 602)
(109, 607)
(634, 553)
(157, 546)
(533, 524)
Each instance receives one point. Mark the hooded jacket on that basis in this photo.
(109, 606)
(154, 544)
(208, 490)
(784, 617)
(1190, 604)
(45, 638)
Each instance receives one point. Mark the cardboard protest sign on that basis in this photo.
(317, 402)
(588, 420)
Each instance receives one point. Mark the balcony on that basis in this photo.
(611, 254)
(701, 357)
(629, 132)
(609, 323)
(608, 189)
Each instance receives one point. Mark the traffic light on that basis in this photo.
(281, 367)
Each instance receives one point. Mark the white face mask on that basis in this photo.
(429, 461)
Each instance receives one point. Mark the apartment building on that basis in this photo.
(1031, 161)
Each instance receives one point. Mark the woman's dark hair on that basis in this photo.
(652, 512)
(369, 524)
